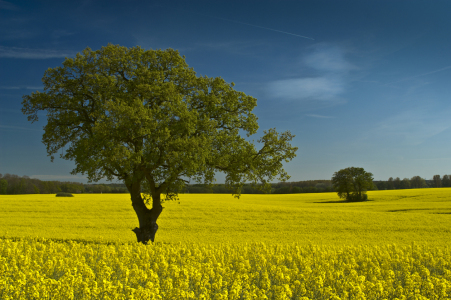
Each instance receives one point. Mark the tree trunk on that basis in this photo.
(147, 217)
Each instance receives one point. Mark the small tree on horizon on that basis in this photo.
(352, 183)
(397, 183)
(436, 181)
(146, 118)
(390, 184)
(405, 183)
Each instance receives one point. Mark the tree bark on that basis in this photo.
(147, 217)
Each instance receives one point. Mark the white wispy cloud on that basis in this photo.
(319, 116)
(329, 69)
(27, 53)
(328, 59)
(320, 88)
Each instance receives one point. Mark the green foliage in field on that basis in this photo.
(63, 194)
(33, 269)
(397, 216)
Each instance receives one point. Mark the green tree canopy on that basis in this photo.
(417, 182)
(397, 183)
(352, 183)
(390, 183)
(3, 186)
(145, 117)
(436, 181)
(405, 183)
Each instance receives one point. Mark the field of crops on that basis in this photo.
(398, 216)
(300, 246)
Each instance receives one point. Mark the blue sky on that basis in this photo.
(360, 83)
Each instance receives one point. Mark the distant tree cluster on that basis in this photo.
(14, 184)
(352, 183)
(416, 182)
(63, 194)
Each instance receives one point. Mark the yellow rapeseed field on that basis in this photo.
(397, 216)
(300, 246)
(40, 269)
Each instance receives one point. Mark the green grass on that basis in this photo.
(399, 216)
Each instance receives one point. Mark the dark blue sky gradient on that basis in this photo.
(370, 90)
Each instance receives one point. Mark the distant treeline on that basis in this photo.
(321, 186)
(309, 186)
(416, 182)
(14, 184)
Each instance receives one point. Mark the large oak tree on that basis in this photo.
(145, 117)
